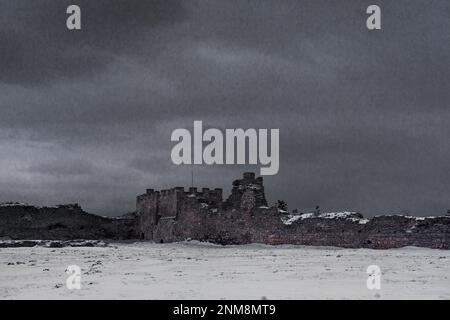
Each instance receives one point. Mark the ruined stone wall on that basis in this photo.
(177, 215)
(240, 186)
(168, 202)
(399, 231)
(147, 211)
(245, 218)
(319, 232)
(378, 233)
(211, 197)
(154, 206)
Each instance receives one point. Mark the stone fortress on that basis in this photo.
(243, 217)
(161, 211)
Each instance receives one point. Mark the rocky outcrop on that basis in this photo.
(51, 243)
(21, 221)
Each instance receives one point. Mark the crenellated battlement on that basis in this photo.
(212, 197)
(170, 203)
(179, 193)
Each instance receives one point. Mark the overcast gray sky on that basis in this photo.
(364, 116)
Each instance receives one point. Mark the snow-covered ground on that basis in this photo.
(205, 271)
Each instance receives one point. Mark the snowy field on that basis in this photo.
(205, 271)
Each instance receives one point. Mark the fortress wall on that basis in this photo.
(379, 233)
(168, 202)
(177, 215)
(399, 231)
(201, 215)
(164, 231)
(318, 232)
(213, 197)
(192, 219)
(147, 211)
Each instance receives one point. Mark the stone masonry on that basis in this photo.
(244, 217)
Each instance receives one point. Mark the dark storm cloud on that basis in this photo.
(87, 116)
(59, 168)
(36, 46)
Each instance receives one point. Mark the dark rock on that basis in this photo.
(62, 222)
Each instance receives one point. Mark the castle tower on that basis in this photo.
(248, 185)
